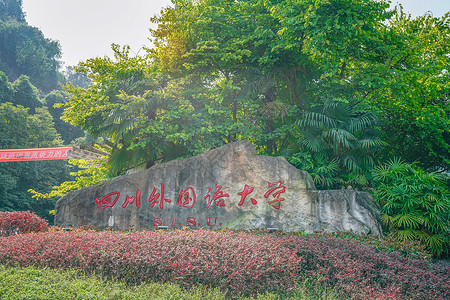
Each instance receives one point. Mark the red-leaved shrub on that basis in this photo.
(242, 263)
(362, 272)
(21, 222)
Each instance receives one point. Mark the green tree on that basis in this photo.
(25, 50)
(413, 104)
(5, 89)
(53, 101)
(23, 130)
(338, 143)
(219, 74)
(273, 60)
(222, 48)
(77, 77)
(25, 94)
(12, 9)
(266, 71)
(122, 98)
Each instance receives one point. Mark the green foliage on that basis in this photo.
(23, 130)
(122, 101)
(337, 139)
(228, 58)
(25, 94)
(26, 51)
(90, 172)
(68, 133)
(77, 77)
(415, 204)
(413, 103)
(12, 10)
(5, 89)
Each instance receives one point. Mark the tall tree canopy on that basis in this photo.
(413, 102)
(25, 50)
(12, 10)
(334, 85)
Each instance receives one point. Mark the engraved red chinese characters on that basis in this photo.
(247, 190)
(218, 197)
(105, 201)
(155, 196)
(276, 192)
(187, 198)
(130, 200)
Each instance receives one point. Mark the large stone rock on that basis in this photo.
(229, 187)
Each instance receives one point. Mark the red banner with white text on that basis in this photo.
(34, 154)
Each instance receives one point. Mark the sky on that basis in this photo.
(87, 28)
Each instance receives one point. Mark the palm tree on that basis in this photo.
(341, 141)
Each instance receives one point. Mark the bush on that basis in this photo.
(21, 222)
(237, 262)
(240, 262)
(361, 272)
(415, 204)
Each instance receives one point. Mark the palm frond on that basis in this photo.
(316, 120)
(275, 108)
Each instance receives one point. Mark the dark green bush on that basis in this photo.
(415, 204)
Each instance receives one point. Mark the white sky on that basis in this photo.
(87, 28)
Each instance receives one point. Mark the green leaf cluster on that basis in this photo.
(25, 51)
(415, 204)
(90, 172)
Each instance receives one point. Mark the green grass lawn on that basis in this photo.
(31, 283)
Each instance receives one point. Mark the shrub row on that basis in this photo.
(21, 222)
(362, 272)
(242, 263)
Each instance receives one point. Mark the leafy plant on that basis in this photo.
(341, 140)
(415, 204)
(21, 222)
(90, 173)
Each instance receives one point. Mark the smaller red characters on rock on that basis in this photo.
(187, 198)
(157, 222)
(218, 197)
(130, 200)
(154, 197)
(191, 222)
(208, 221)
(105, 201)
(247, 190)
(276, 192)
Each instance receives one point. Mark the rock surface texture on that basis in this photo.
(229, 187)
